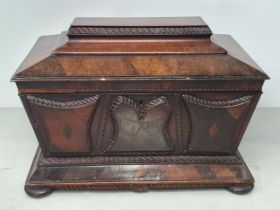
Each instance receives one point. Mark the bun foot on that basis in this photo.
(240, 189)
(37, 192)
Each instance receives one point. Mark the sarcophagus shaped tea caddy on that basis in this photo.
(138, 104)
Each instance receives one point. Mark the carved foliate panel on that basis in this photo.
(140, 126)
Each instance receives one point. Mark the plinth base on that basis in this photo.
(87, 173)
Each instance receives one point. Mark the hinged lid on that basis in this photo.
(128, 48)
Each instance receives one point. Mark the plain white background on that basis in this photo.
(255, 24)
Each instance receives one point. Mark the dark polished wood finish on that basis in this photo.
(48, 174)
(138, 104)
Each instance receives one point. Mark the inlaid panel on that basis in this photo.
(217, 120)
(63, 122)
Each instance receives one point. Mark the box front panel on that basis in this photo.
(61, 122)
(139, 123)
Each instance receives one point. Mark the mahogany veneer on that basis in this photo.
(138, 104)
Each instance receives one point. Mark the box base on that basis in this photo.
(86, 173)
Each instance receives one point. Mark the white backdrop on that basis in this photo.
(255, 24)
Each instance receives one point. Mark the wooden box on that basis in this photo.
(138, 104)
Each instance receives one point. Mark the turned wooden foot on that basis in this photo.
(37, 192)
(240, 189)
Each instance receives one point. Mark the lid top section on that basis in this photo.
(175, 26)
(137, 48)
(139, 21)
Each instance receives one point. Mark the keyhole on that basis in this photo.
(141, 103)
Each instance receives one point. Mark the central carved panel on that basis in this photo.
(140, 126)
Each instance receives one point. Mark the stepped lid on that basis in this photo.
(137, 48)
